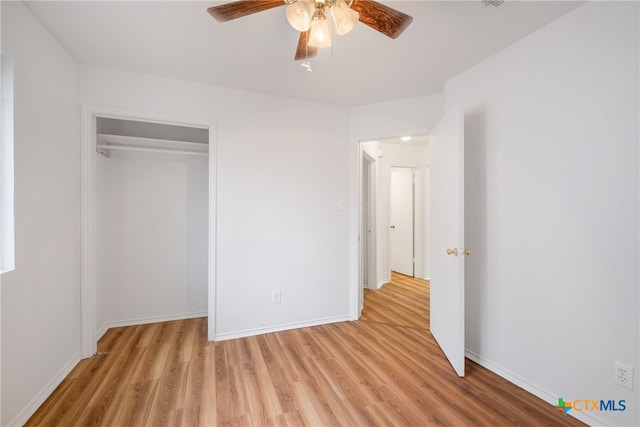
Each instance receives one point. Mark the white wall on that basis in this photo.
(282, 167)
(41, 298)
(395, 118)
(551, 129)
(152, 221)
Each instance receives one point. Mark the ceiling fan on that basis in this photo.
(310, 18)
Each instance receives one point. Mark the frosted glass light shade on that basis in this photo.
(320, 33)
(299, 16)
(344, 17)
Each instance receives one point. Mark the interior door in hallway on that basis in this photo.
(402, 208)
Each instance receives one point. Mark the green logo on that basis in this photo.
(563, 406)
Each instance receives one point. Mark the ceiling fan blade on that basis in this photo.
(304, 51)
(388, 21)
(238, 9)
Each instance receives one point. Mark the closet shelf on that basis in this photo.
(106, 142)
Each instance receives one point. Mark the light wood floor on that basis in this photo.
(403, 302)
(384, 370)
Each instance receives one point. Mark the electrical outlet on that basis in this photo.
(623, 375)
(275, 296)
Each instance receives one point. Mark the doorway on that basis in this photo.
(446, 214)
(94, 146)
(383, 156)
(399, 199)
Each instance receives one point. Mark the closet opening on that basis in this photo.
(148, 213)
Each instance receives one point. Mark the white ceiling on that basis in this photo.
(255, 53)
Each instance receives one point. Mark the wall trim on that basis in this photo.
(536, 390)
(146, 320)
(26, 413)
(280, 328)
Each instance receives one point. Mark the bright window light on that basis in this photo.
(7, 247)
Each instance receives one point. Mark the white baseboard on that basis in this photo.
(280, 328)
(536, 390)
(35, 403)
(146, 320)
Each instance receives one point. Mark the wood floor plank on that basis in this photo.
(118, 402)
(383, 370)
(144, 394)
(207, 408)
(277, 376)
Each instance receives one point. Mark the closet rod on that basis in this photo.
(105, 138)
(102, 147)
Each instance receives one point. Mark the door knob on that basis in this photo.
(393, 226)
(466, 252)
(453, 251)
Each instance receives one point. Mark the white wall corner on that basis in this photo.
(23, 416)
(279, 328)
(147, 320)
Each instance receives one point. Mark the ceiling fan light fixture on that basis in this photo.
(299, 16)
(344, 18)
(309, 18)
(320, 30)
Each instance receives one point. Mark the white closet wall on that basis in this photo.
(152, 222)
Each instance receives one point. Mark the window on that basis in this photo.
(7, 247)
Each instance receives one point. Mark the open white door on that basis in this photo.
(446, 245)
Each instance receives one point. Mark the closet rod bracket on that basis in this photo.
(104, 152)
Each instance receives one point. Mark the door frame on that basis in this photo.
(421, 219)
(88, 261)
(415, 214)
(370, 213)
